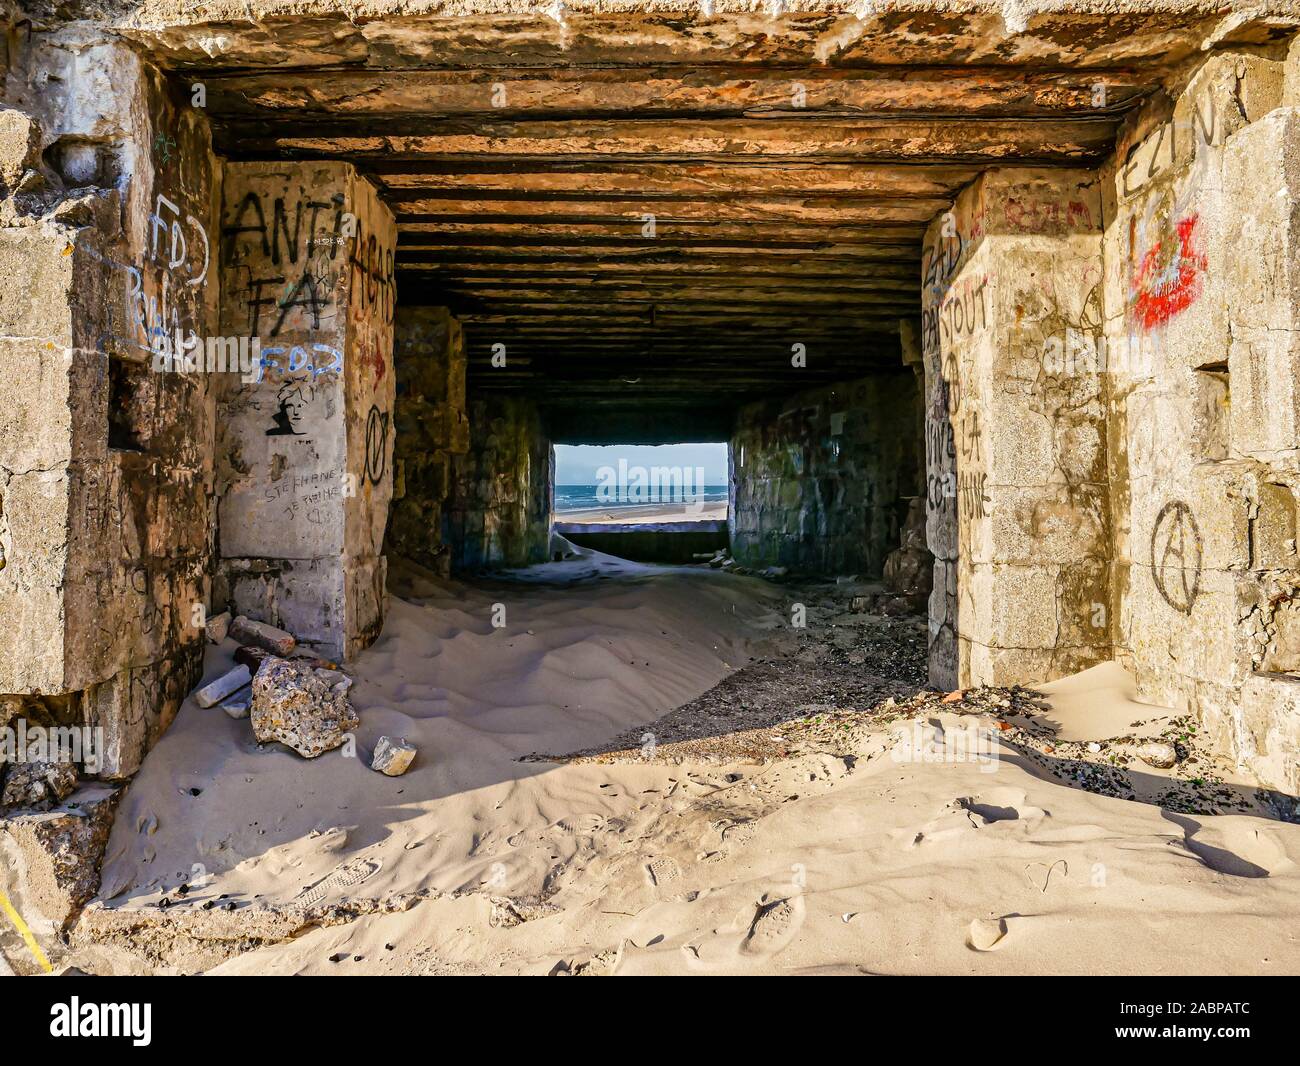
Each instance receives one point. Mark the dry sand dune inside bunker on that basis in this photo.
(589, 648)
(849, 851)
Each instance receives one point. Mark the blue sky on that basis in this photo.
(576, 464)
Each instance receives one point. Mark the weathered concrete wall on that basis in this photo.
(500, 508)
(431, 426)
(820, 481)
(1016, 448)
(1203, 332)
(105, 445)
(306, 449)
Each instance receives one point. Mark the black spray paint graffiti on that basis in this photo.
(1176, 556)
(370, 275)
(303, 254)
(294, 398)
(972, 490)
(1158, 153)
(376, 444)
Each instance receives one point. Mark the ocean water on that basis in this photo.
(586, 498)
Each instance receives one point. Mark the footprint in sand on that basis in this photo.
(1001, 805)
(973, 812)
(774, 926)
(760, 930)
(986, 934)
(663, 870)
(348, 875)
(581, 823)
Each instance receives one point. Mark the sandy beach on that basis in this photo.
(651, 512)
(852, 849)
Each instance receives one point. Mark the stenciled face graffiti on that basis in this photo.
(294, 397)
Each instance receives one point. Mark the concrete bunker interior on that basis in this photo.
(995, 307)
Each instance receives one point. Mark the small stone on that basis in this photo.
(1094, 747)
(293, 706)
(337, 680)
(261, 635)
(1159, 754)
(218, 627)
(393, 757)
(215, 691)
(237, 706)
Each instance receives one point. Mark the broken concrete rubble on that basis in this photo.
(54, 856)
(393, 757)
(260, 635)
(217, 627)
(293, 706)
(238, 705)
(36, 785)
(226, 685)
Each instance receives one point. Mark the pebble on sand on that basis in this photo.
(393, 757)
(1159, 754)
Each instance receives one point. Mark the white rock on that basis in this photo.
(393, 757)
(214, 692)
(1158, 753)
(237, 706)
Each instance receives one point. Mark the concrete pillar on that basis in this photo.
(1015, 431)
(306, 446)
(431, 425)
(107, 205)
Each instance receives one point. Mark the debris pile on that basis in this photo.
(290, 696)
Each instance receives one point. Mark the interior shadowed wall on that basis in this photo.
(821, 480)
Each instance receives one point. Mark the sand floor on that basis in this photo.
(875, 854)
(650, 512)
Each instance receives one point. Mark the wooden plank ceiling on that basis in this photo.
(656, 209)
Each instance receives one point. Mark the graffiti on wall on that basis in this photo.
(1158, 154)
(293, 399)
(1176, 555)
(376, 444)
(1168, 276)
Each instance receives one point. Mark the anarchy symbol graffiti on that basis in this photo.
(1176, 556)
(376, 444)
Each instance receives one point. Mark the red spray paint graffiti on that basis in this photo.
(1168, 279)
